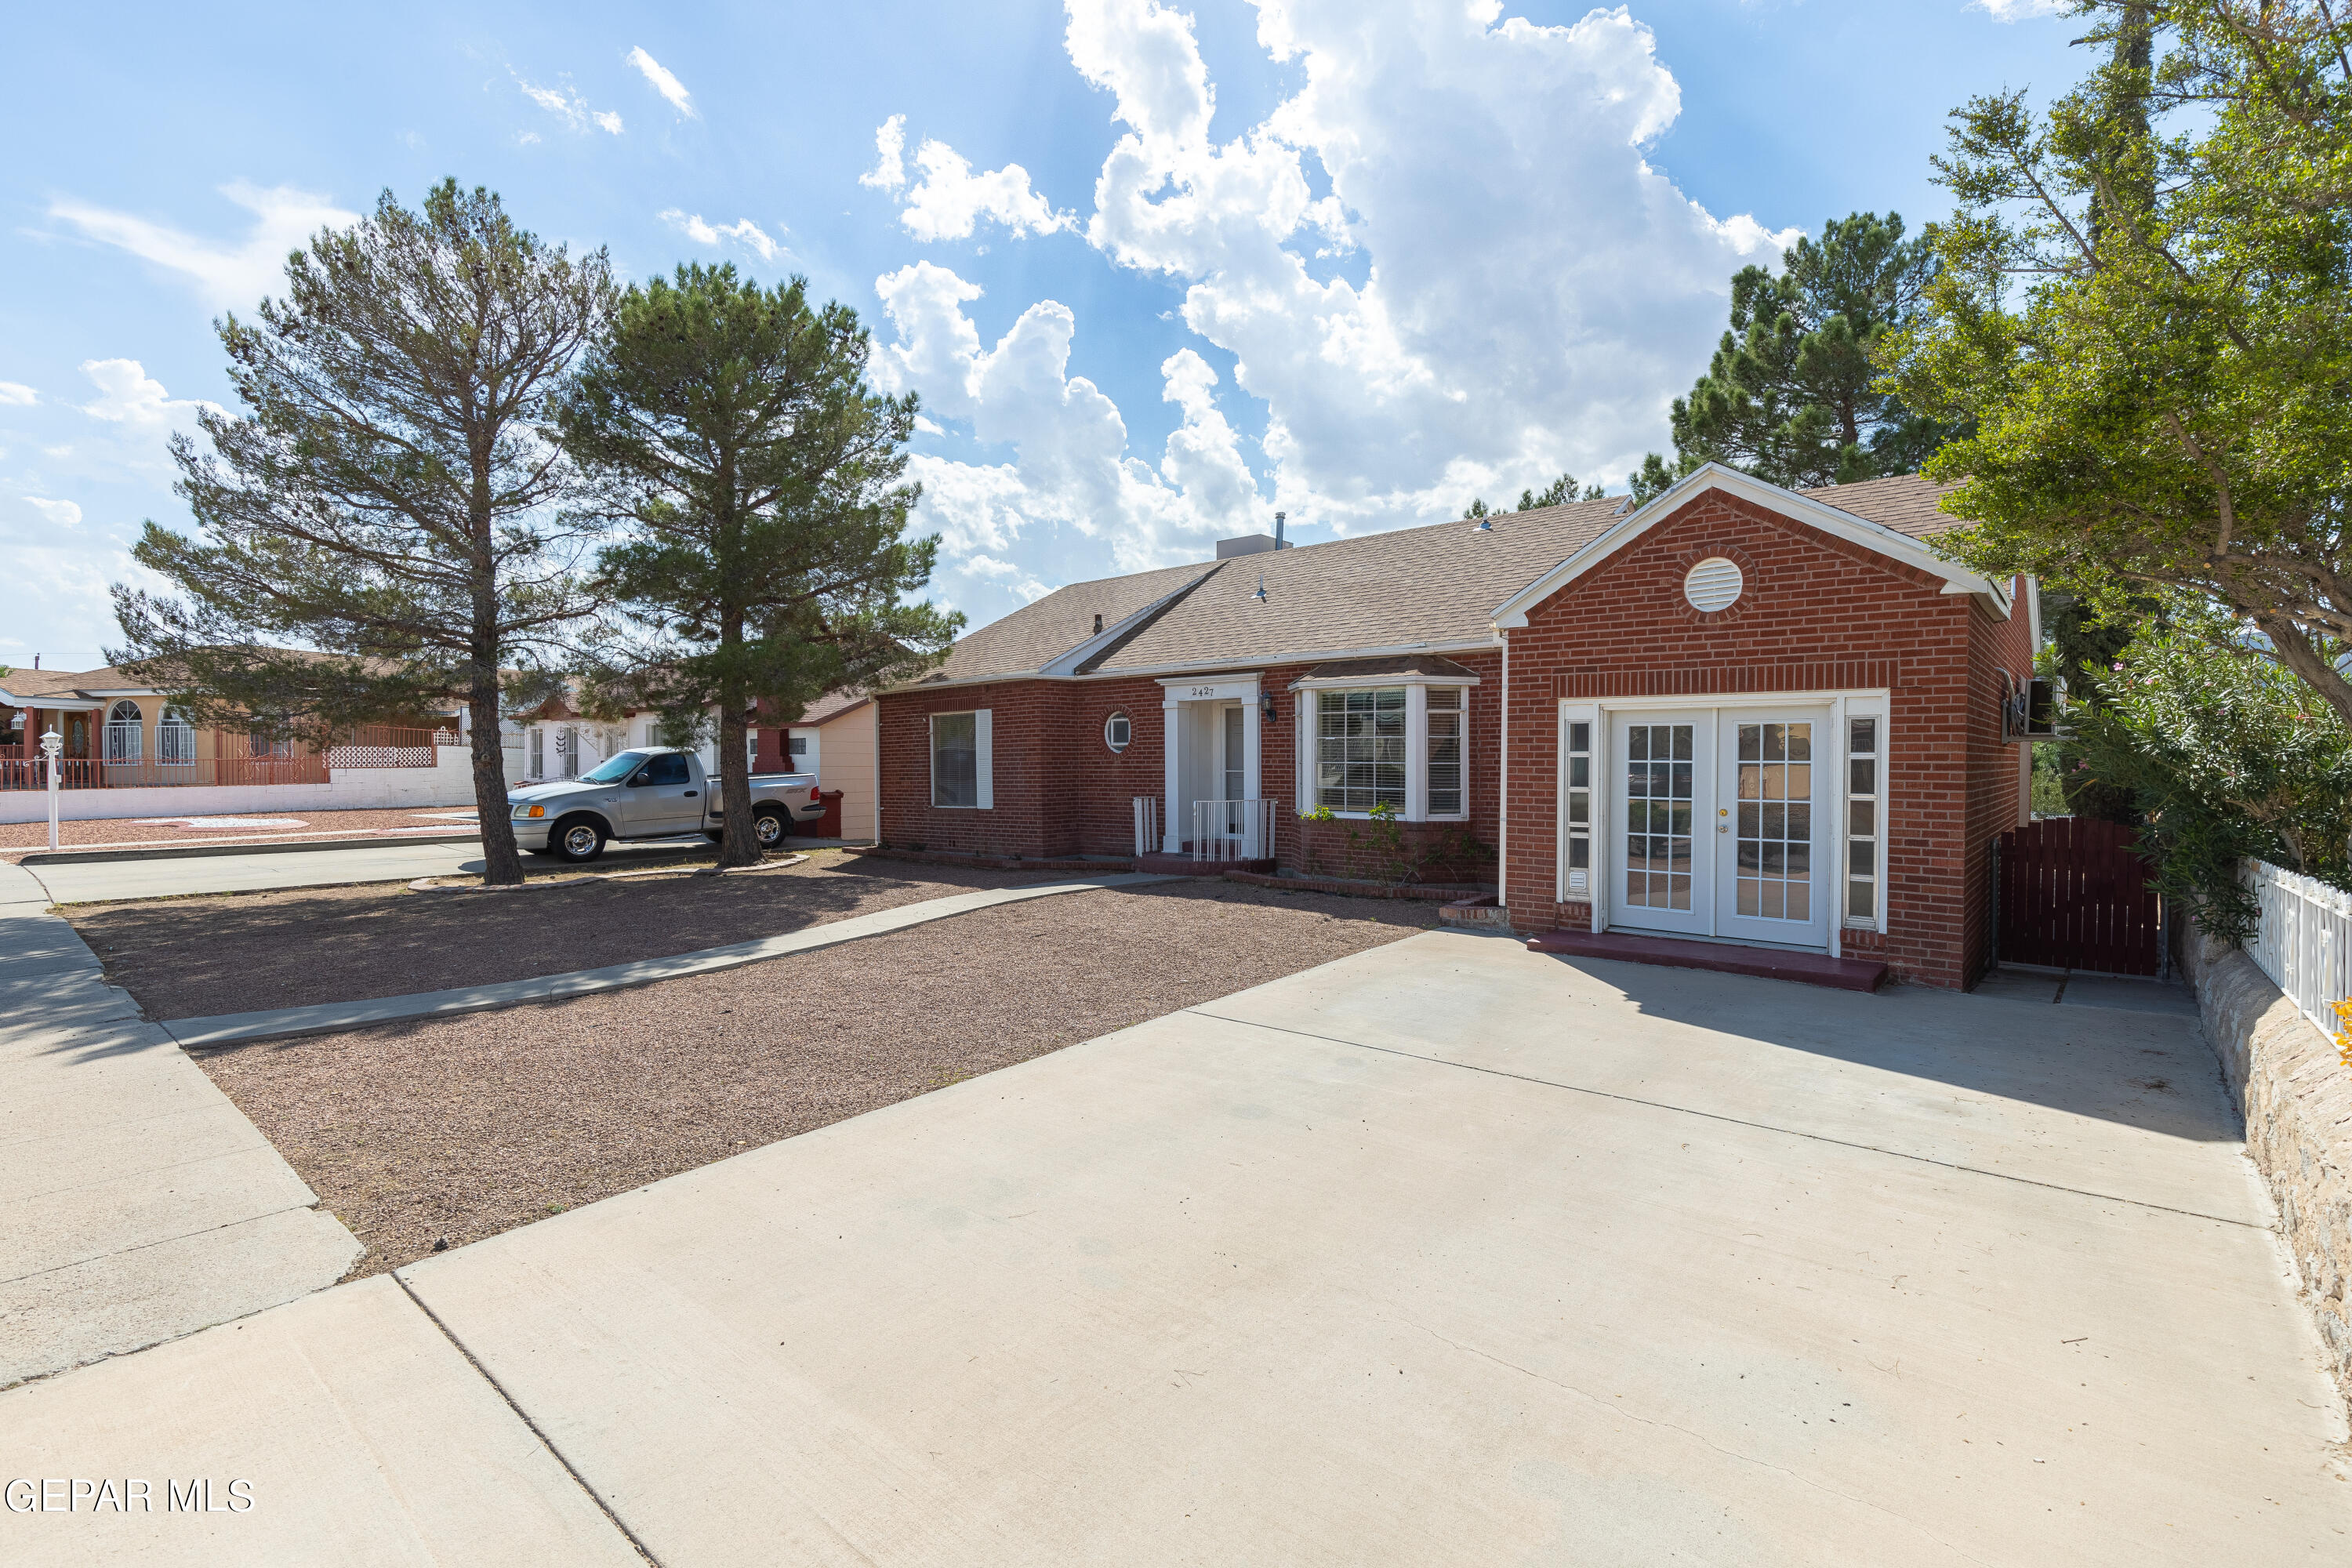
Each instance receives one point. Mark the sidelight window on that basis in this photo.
(1580, 809)
(1864, 798)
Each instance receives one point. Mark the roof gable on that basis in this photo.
(1899, 496)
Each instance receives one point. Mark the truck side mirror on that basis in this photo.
(642, 777)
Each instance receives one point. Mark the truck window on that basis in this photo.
(669, 768)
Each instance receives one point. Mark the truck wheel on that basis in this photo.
(576, 840)
(769, 823)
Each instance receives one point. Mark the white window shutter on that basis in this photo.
(984, 757)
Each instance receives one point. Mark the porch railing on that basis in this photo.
(2303, 940)
(1146, 824)
(1227, 830)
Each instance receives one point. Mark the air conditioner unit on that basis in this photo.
(2029, 712)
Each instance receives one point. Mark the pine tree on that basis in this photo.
(1790, 393)
(388, 503)
(733, 427)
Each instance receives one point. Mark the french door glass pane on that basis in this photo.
(1773, 855)
(1658, 817)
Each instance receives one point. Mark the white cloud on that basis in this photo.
(889, 171)
(231, 275)
(669, 86)
(1444, 264)
(949, 200)
(981, 566)
(17, 395)
(63, 513)
(127, 396)
(2020, 10)
(566, 104)
(743, 232)
(1072, 466)
(1533, 290)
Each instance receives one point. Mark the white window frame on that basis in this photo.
(1851, 708)
(983, 757)
(1118, 716)
(1308, 700)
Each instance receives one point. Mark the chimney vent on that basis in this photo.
(1278, 542)
(1098, 623)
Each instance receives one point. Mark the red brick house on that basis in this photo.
(1740, 713)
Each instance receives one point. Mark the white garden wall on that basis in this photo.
(449, 783)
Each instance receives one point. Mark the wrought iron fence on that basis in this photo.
(1227, 830)
(2304, 940)
(175, 762)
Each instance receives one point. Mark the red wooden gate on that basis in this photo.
(2074, 895)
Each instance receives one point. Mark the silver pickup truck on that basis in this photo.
(653, 792)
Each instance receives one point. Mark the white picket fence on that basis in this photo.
(2304, 941)
(1146, 823)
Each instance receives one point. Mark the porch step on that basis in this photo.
(1769, 963)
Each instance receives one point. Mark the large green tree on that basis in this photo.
(2144, 311)
(387, 524)
(1790, 394)
(734, 429)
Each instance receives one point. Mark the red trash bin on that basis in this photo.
(829, 825)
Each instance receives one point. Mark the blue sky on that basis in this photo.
(1155, 270)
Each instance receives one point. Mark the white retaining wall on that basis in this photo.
(449, 783)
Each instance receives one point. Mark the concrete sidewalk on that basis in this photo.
(143, 1204)
(1447, 1252)
(388, 860)
(327, 1018)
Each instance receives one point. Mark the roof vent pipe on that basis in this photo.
(1098, 623)
(1278, 544)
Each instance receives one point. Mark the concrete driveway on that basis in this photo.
(1444, 1253)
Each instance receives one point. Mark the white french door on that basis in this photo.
(1721, 828)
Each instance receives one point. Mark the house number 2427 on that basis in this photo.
(1204, 691)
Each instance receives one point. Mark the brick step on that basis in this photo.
(1724, 958)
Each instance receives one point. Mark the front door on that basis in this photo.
(1717, 824)
(1232, 770)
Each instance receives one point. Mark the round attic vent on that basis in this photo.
(1712, 585)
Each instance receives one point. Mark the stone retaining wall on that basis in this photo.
(2295, 1095)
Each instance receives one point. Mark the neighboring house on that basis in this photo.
(1739, 713)
(556, 741)
(834, 738)
(127, 752)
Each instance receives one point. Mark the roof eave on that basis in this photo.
(1873, 536)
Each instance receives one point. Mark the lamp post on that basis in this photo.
(51, 744)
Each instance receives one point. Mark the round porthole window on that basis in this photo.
(1712, 585)
(1117, 730)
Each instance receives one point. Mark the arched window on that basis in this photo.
(175, 740)
(1118, 730)
(125, 733)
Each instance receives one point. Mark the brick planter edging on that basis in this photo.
(990, 862)
(2295, 1097)
(1424, 891)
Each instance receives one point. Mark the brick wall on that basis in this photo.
(1816, 613)
(1060, 790)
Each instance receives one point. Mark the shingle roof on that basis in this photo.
(1433, 586)
(1034, 637)
(73, 683)
(832, 705)
(1410, 588)
(1904, 502)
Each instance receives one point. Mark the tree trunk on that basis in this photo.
(502, 862)
(741, 845)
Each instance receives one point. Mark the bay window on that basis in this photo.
(1403, 749)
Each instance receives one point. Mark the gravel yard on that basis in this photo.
(452, 1129)
(192, 958)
